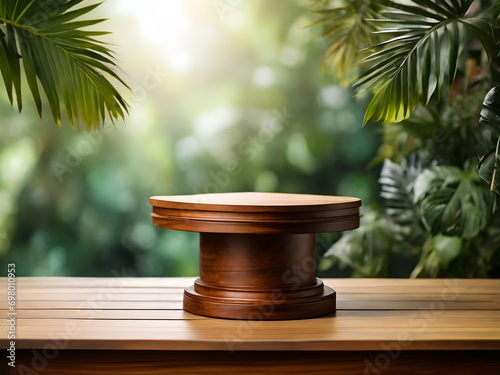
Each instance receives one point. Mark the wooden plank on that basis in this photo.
(177, 305)
(176, 295)
(183, 282)
(110, 299)
(28, 290)
(220, 334)
(344, 340)
(184, 315)
(129, 297)
(99, 304)
(110, 314)
(425, 313)
(103, 282)
(147, 314)
(278, 363)
(394, 289)
(326, 325)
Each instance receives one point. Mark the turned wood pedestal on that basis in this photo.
(257, 251)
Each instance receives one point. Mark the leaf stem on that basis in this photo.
(18, 25)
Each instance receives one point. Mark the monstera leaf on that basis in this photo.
(489, 141)
(453, 202)
(446, 248)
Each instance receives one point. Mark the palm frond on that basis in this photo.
(419, 55)
(347, 30)
(62, 57)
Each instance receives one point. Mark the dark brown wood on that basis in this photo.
(257, 251)
(275, 272)
(392, 361)
(256, 213)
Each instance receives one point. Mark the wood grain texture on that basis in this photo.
(258, 277)
(256, 213)
(259, 362)
(133, 314)
(254, 202)
(253, 245)
(352, 285)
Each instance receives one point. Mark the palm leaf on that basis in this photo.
(419, 55)
(347, 30)
(60, 56)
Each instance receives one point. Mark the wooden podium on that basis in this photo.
(257, 251)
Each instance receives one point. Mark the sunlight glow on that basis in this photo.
(166, 24)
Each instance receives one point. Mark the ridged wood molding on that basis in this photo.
(257, 251)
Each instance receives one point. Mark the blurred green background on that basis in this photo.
(207, 77)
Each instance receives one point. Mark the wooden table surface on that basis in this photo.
(418, 322)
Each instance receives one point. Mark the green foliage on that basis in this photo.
(437, 253)
(446, 248)
(489, 140)
(50, 41)
(421, 44)
(401, 139)
(383, 235)
(188, 126)
(366, 250)
(397, 188)
(452, 201)
(419, 56)
(430, 53)
(442, 213)
(346, 26)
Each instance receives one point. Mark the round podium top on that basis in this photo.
(256, 213)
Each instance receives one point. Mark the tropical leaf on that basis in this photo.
(396, 182)
(57, 53)
(368, 249)
(489, 140)
(428, 265)
(348, 31)
(446, 248)
(452, 201)
(437, 253)
(419, 56)
(486, 250)
(401, 139)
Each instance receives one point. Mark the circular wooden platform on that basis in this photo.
(256, 213)
(257, 251)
